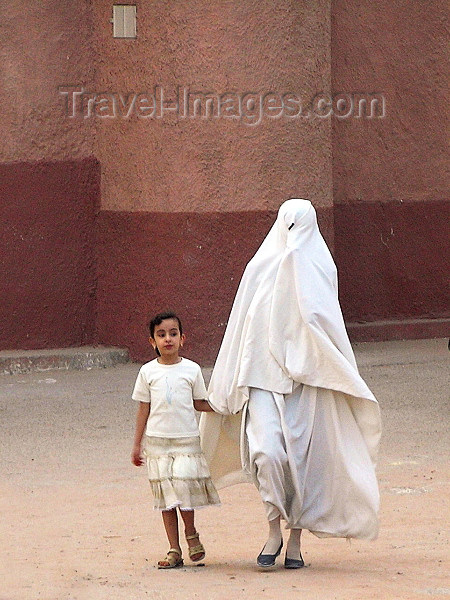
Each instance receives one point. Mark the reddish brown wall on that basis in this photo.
(47, 241)
(189, 262)
(393, 260)
(389, 180)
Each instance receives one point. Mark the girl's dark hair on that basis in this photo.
(159, 318)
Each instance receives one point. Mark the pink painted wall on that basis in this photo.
(207, 165)
(44, 44)
(398, 49)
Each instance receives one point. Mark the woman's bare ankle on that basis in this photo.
(275, 538)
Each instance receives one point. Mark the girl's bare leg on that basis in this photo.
(293, 546)
(275, 537)
(189, 529)
(170, 520)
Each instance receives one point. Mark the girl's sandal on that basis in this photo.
(173, 560)
(198, 549)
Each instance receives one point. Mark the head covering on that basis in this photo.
(286, 325)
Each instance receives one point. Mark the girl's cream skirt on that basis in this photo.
(178, 473)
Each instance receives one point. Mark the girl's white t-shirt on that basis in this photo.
(171, 390)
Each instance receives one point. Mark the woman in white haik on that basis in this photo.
(289, 394)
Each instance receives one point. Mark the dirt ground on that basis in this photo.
(76, 517)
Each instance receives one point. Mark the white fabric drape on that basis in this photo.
(309, 462)
(285, 328)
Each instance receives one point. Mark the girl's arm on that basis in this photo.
(141, 421)
(203, 406)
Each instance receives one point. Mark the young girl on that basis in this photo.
(168, 390)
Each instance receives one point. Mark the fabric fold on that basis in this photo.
(178, 473)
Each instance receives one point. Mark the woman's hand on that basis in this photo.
(203, 406)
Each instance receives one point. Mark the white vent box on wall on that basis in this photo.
(124, 20)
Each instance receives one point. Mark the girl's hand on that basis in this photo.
(136, 457)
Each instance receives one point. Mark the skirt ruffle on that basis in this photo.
(179, 474)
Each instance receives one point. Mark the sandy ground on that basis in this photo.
(76, 517)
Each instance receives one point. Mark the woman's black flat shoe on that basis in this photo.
(293, 563)
(268, 560)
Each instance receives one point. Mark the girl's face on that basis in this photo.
(168, 340)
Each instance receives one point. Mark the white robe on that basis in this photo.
(286, 328)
